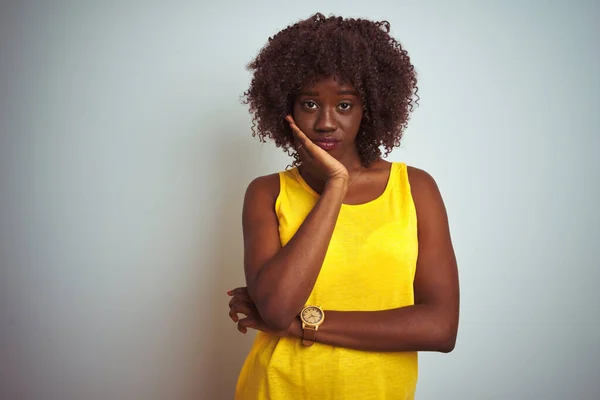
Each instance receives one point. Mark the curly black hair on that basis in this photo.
(358, 51)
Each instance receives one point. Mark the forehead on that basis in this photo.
(327, 84)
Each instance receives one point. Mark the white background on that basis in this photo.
(125, 153)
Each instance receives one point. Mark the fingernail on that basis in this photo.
(230, 292)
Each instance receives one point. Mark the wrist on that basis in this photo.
(338, 183)
(295, 329)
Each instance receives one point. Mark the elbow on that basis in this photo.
(443, 330)
(442, 333)
(445, 341)
(447, 345)
(274, 305)
(276, 316)
(277, 321)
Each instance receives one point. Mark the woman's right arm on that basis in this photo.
(280, 279)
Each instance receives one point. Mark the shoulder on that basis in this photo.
(424, 188)
(263, 188)
(419, 179)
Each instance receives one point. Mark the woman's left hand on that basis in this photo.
(241, 303)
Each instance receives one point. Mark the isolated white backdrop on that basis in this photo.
(125, 153)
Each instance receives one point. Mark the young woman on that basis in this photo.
(350, 269)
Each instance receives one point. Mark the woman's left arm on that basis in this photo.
(431, 324)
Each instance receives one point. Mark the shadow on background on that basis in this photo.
(239, 161)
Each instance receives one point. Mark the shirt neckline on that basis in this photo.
(388, 185)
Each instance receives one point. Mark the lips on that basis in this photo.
(327, 144)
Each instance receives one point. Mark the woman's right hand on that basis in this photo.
(317, 161)
(241, 303)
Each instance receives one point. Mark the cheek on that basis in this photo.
(303, 120)
(352, 123)
(295, 109)
(358, 116)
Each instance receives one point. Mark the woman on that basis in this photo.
(349, 264)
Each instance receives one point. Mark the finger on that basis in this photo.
(240, 299)
(244, 324)
(303, 153)
(239, 290)
(303, 144)
(242, 293)
(298, 134)
(239, 308)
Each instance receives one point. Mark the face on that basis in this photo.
(329, 113)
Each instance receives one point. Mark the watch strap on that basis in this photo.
(310, 335)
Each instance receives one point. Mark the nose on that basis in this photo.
(325, 121)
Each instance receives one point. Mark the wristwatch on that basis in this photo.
(312, 317)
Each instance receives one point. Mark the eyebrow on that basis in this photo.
(340, 92)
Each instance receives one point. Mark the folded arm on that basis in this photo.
(280, 279)
(431, 324)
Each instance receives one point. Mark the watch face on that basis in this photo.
(312, 315)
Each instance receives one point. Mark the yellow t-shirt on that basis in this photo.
(370, 265)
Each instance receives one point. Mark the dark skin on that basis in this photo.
(280, 280)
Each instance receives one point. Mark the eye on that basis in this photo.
(345, 106)
(311, 105)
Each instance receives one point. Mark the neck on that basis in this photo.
(351, 161)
